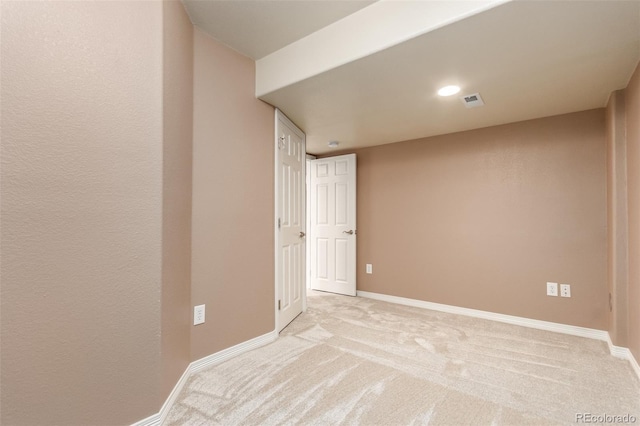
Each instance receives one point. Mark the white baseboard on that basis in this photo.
(624, 353)
(634, 363)
(508, 319)
(153, 420)
(616, 351)
(166, 407)
(233, 351)
(218, 357)
(208, 361)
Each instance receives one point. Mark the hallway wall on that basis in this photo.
(81, 212)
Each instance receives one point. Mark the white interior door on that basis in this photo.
(333, 224)
(290, 217)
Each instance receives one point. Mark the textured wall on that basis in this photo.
(176, 201)
(617, 225)
(483, 219)
(632, 106)
(233, 210)
(81, 211)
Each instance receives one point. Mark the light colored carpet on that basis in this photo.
(358, 361)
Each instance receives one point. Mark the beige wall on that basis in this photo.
(617, 234)
(81, 211)
(97, 129)
(114, 224)
(233, 210)
(483, 219)
(176, 201)
(632, 106)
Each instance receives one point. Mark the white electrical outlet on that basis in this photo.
(565, 290)
(369, 268)
(552, 289)
(198, 314)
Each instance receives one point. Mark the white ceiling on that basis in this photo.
(527, 59)
(256, 28)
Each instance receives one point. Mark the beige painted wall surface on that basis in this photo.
(81, 212)
(233, 210)
(483, 219)
(617, 228)
(176, 201)
(632, 95)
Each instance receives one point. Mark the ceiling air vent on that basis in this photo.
(472, 101)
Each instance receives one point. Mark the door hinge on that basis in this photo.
(278, 305)
(279, 224)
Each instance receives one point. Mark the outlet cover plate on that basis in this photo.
(565, 290)
(552, 289)
(198, 314)
(369, 268)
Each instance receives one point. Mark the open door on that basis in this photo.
(290, 221)
(332, 243)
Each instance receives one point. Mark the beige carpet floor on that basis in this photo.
(357, 361)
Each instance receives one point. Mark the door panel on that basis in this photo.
(333, 224)
(322, 203)
(342, 204)
(322, 258)
(290, 276)
(342, 246)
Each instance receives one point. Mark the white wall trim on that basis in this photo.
(624, 353)
(508, 319)
(616, 351)
(166, 407)
(153, 420)
(199, 365)
(233, 351)
(634, 363)
(276, 215)
(226, 354)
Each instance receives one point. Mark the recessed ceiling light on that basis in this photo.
(448, 90)
(334, 144)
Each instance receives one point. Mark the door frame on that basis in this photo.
(307, 178)
(279, 115)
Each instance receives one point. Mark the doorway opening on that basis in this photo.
(331, 224)
(315, 226)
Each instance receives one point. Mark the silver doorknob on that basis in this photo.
(350, 232)
(302, 234)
